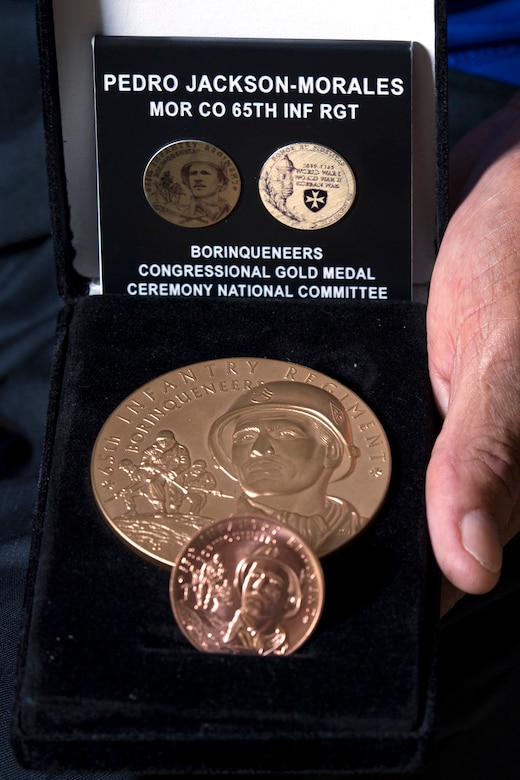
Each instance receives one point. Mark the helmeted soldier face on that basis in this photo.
(276, 454)
(264, 592)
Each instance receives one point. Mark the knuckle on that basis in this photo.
(495, 460)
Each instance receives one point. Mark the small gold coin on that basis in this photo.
(192, 184)
(247, 585)
(307, 186)
(239, 436)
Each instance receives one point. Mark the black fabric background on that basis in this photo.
(366, 670)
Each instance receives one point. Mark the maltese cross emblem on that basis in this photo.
(315, 200)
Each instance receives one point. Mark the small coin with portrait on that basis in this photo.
(307, 186)
(191, 183)
(247, 585)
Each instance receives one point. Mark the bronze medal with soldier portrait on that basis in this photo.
(240, 437)
(192, 183)
(247, 585)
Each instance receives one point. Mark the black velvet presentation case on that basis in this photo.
(106, 680)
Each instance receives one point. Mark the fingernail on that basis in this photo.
(480, 538)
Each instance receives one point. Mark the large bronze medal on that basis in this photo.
(239, 437)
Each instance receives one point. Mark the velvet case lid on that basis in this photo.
(106, 680)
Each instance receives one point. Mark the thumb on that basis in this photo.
(473, 326)
(472, 477)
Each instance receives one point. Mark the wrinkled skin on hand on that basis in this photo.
(473, 322)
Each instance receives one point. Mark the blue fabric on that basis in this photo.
(484, 39)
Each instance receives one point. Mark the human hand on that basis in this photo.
(473, 325)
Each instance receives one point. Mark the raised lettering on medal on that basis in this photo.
(240, 436)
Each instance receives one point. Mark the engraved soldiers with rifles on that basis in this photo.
(162, 464)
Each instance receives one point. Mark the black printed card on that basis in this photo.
(254, 168)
